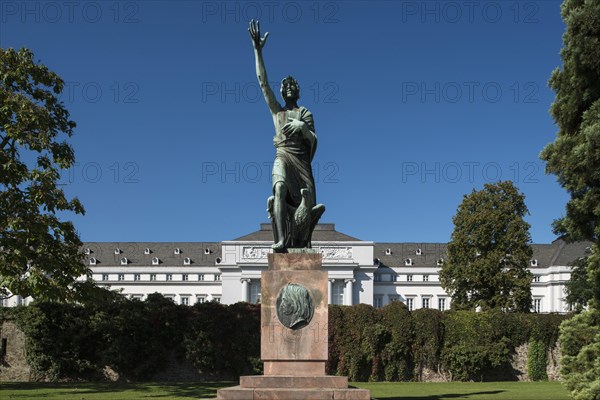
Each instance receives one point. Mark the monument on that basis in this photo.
(294, 309)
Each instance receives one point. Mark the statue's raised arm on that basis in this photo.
(261, 72)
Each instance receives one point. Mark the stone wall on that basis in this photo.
(13, 364)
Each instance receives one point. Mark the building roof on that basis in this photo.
(428, 254)
(323, 233)
(205, 254)
(199, 253)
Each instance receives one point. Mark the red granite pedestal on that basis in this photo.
(294, 359)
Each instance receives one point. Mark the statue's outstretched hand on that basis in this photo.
(254, 30)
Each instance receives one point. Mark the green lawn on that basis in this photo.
(470, 391)
(187, 391)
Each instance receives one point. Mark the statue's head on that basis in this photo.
(290, 90)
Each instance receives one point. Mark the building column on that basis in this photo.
(330, 291)
(245, 291)
(348, 292)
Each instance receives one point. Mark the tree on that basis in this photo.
(489, 251)
(574, 157)
(39, 254)
(578, 289)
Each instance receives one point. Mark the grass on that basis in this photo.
(109, 391)
(466, 390)
(187, 391)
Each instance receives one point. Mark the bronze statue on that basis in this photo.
(292, 208)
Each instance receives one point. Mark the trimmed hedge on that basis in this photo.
(135, 339)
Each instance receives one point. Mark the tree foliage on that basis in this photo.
(574, 157)
(578, 289)
(39, 254)
(580, 362)
(489, 251)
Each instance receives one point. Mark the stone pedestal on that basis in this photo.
(295, 355)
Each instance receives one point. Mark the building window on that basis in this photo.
(536, 278)
(121, 277)
(425, 302)
(377, 277)
(378, 301)
(169, 277)
(393, 278)
(394, 297)
(255, 291)
(136, 277)
(104, 277)
(442, 304)
(425, 278)
(200, 277)
(408, 278)
(184, 277)
(337, 297)
(217, 277)
(200, 299)
(537, 305)
(410, 303)
(185, 301)
(216, 299)
(138, 297)
(152, 277)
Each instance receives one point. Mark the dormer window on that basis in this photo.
(147, 251)
(93, 261)
(418, 252)
(534, 262)
(218, 260)
(155, 261)
(117, 251)
(207, 251)
(408, 262)
(376, 262)
(187, 261)
(87, 251)
(388, 252)
(124, 261)
(177, 251)
(440, 262)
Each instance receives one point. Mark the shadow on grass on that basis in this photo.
(442, 396)
(192, 390)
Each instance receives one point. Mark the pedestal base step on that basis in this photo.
(239, 393)
(293, 382)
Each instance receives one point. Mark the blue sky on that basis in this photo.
(416, 104)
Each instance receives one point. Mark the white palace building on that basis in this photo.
(359, 271)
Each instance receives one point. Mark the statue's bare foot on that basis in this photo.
(278, 246)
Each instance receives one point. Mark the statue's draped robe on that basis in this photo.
(292, 164)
